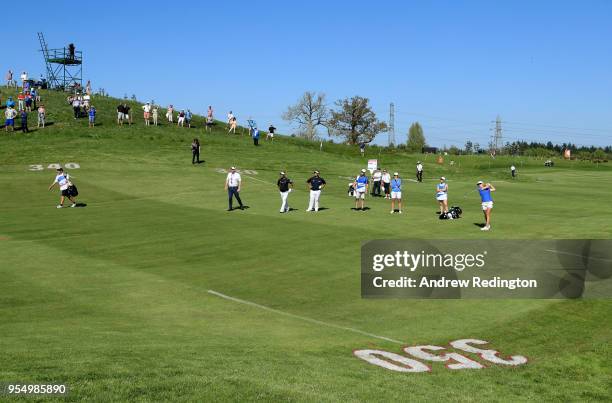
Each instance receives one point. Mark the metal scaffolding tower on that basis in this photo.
(64, 66)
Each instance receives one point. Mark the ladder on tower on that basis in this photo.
(51, 79)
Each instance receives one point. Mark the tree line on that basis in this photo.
(353, 120)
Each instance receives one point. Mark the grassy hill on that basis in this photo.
(113, 299)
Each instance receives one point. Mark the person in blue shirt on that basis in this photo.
(10, 103)
(256, 136)
(485, 189)
(92, 116)
(396, 193)
(188, 116)
(442, 195)
(361, 189)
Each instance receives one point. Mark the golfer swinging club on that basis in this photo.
(361, 189)
(487, 202)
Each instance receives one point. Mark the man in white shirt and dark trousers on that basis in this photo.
(284, 186)
(233, 183)
(419, 171)
(315, 184)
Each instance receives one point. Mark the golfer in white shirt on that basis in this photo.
(233, 184)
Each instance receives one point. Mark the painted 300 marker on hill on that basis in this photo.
(429, 353)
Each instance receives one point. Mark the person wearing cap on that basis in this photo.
(376, 178)
(146, 108)
(233, 184)
(419, 171)
(513, 171)
(285, 185)
(63, 180)
(396, 193)
(315, 184)
(361, 189)
(486, 200)
(442, 195)
(386, 182)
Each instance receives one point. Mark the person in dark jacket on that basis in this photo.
(195, 151)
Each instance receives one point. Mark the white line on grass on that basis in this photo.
(304, 318)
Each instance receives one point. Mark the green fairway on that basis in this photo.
(113, 299)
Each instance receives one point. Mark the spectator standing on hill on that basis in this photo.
(20, 101)
(419, 171)
(233, 185)
(256, 136)
(195, 151)
(24, 121)
(155, 114)
(126, 113)
(362, 147)
(10, 114)
(170, 114)
(120, 114)
(230, 117)
(270, 134)
(24, 78)
(315, 185)
(376, 178)
(209, 113)
(9, 79)
(76, 107)
(285, 185)
(28, 102)
(146, 111)
(181, 119)
(88, 88)
(233, 124)
(188, 116)
(209, 123)
(92, 116)
(35, 97)
(10, 103)
(513, 171)
(41, 116)
(386, 182)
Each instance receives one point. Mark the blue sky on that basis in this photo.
(544, 66)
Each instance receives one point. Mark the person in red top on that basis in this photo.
(21, 100)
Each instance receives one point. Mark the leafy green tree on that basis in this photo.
(355, 121)
(469, 147)
(416, 138)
